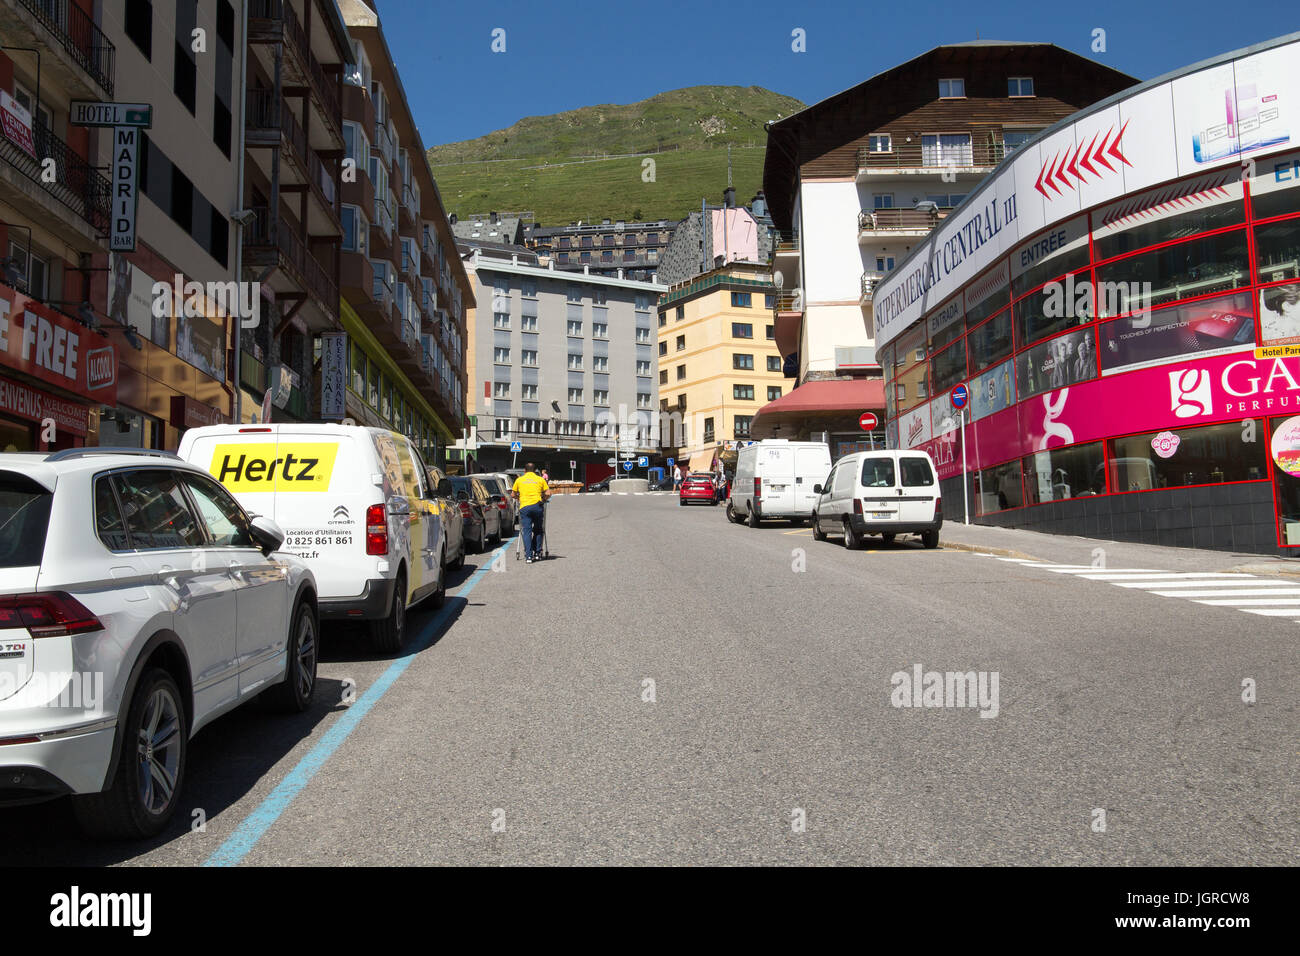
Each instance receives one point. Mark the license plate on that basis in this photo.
(882, 514)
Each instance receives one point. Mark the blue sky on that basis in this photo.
(562, 55)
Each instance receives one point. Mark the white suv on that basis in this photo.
(138, 602)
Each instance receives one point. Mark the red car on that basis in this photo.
(700, 487)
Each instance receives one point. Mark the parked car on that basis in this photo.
(471, 509)
(484, 501)
(453, 521)
(138, 602)
(698, 486)
(502, 484)
(774, 479)
(354, 503)
(880, 492)
(602, 485)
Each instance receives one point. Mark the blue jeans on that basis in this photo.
(530, 526)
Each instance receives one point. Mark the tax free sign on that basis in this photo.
(1223, 113)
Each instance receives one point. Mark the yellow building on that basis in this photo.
(718, 362)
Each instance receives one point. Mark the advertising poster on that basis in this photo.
(1057, 363)
(201, 342)
(992, 390)
(1197, 330)
(1286, 446)
(1279, 315)
(130, 301)
(914, 427)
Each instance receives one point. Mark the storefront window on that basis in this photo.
(1212, 454)
(1197, 328)
(1275, 188)
(990, 343)
(1054, 308)
(998, 488)
(1060, 473)
(1073, 256)
(1196, 267)
(1284, 444)
(1058, 363)
(987, 295)
(1277, 249)
(372, 385)
(949, 366)
(1175, 224)
(124, 428)
(358, 370)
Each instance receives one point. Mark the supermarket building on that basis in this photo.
(1121, 300)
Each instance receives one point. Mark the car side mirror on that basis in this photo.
(444, 489)
(817, 489)
(267, 535)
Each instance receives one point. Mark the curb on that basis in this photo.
(987, 549)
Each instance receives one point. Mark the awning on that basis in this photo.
(703, 460)
(839, 398)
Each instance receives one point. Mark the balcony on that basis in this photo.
(75, 32)
(870, 280)
(274, 21)
(409, 210)
(77, 185)
(270, 123)
(898, 223)
(916, 158)
(269, 242)
(252, 373)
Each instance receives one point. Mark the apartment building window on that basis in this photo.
(574, 327)
(946, 149)
(586, 242)
(681, 342)
(1013, 139)
(599, 330)
(643, 302)
(952, 89)
(575, 396)
(574, 294)
(528, 393)
(599, 396)
(629, 255)
(743, 392)
(884, 263)
(681, 313)
(563, 258)
(356, 229)
(708, 429)
(946, 200)
(663, 348)
(652, 239)
(741, 360)
(880, 143)
(138, 23)
(642, 399)
(502, 428)
(575, 361)
(501, 356)
(599, 295)
(528, 357)
(642, 336)
(528, 323)
(681, 372)
(600, 363)
(564, 242)
(741, 300)
(742, 330)
(773, 392)
(769, 302)
(1020, 86)
(774, 363)
(607, 241)
(663, 320)
(528, 288)
(882, 201)
(643, 367)
(770, 332)
(184, 72)
(501, 320)
(36, 269)
(356, 145)
(742, 425)
(500, 389)
(663, 377)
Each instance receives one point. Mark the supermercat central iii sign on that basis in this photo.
(1223, 113)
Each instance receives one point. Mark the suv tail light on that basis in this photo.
(48, 614)
(758, 488)
(376, 530)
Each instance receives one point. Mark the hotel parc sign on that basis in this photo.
(1209, 119)
(40, 342)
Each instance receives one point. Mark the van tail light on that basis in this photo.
(938, 507)
(857, 506)
(47, 614)
(758, 488)
(376, 530)
(465, 510)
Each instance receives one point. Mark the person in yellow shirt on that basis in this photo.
(531, 491)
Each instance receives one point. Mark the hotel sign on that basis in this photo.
(94, 113)
(126, 121)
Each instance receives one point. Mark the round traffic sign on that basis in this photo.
(868, 421)
(959, 396)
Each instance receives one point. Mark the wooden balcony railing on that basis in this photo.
(886, 220)
(263, 233)
(918, 156)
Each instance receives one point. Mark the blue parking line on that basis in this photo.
(240, 843)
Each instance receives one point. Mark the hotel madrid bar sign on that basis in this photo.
(125, 120)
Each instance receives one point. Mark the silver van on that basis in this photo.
(880, 492)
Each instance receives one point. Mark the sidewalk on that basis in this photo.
(1072, 549)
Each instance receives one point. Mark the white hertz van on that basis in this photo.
(775, 478)
(880, 492)
(354, 504)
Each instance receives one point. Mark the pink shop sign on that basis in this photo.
(1174, 396)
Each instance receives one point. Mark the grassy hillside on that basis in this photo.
(583, 164)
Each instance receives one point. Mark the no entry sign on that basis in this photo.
(868, 421)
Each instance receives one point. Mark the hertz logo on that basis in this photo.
(289, 466)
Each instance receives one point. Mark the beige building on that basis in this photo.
(718, 362)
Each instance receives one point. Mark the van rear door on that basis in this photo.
(775, 466)
(917, 482)
(812, 463)
(878, 482)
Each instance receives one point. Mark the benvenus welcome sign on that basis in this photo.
(1167, 128)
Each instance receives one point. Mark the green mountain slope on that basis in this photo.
(592, 163)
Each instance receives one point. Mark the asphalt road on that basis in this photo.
(670, 688)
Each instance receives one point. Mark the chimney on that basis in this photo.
(729, 197)
(493, 218)
(452, 219)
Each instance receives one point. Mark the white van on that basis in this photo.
(354, 503)
(880, 492)
(775, 478)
